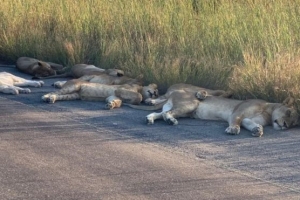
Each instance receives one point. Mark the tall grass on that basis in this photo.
(248, 46)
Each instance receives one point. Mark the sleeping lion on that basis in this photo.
(184, 100)
(80, 70)
(250, 114)
(185, 88)
(37, 68)
(10, 84)
(105, 79)
(114, 95)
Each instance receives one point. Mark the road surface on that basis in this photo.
(79, 150)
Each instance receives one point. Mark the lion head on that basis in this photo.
(43, 69)
(150, 91)
(285, 116)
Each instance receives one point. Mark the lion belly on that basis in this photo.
(8, 79)
(93, 92)
(259, 119)
(210, 112)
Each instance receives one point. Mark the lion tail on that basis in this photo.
(64, 75)
(144, 107)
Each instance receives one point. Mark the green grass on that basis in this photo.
(248, 46)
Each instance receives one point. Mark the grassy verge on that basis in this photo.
(249, 46)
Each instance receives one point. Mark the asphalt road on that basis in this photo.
(79, 150)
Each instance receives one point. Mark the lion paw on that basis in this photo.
(172, 121)
(233, 130)
(38, 84)
(110, 105)
(42, 83)
(257, 131)
(150, 101)
(49, 98)
(12, 91)
(149, 120)
(201, 95)
(57, 84)
(25, 91)
(168, 117)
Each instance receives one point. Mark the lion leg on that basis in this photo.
(153, 102)
(113, 102)
(171, 115)
(256, 129)
(128, 96)
(7, 89)
(68, 89)
(23, 90)
(52, 97)
(59, 84)
(19, 82)
(152, 117)
(169, 118)
(182, 109)
(234, 127)
(71, 86)
(29, 83)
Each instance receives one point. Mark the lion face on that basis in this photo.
(150, 91)
(43, 69)
(284, 117)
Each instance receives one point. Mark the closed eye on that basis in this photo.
(153, 94)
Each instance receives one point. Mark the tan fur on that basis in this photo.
(10, 84)
(250, 114)
(181, 87)
(113, 94)
(105, 79)
(93, 74)
(80, 70)
(36, 67)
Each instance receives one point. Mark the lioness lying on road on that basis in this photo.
(250, 114)
(180, 87)
(80, 70)
(36, 67)
(105, 79)
(10, 84)
(94, 74)
(114, 95)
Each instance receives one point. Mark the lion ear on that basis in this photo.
(289, 101)
(153, 85)
(35, 67)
